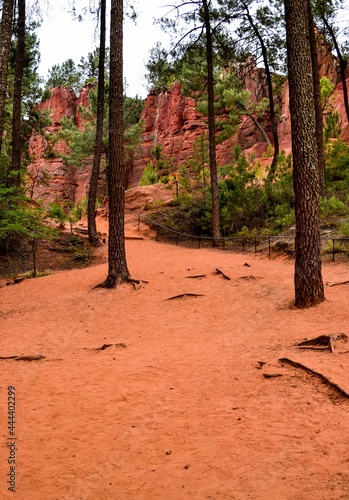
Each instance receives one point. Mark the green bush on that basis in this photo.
(150, 175)
(344, 229)
(337, 168)
(333, 207)
(281, 217)
(57, 213)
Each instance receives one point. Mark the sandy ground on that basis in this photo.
(190, 400)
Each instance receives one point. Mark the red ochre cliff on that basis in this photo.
(170, 120)
(64, 183)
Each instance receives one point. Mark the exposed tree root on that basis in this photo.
(96, 241)
(35, 357)
(113, 281)
(105, 346)
(248, 278)
(197, 276)
(136, 283)
(16, 281)
(225, 276)
(322, 342)
(185, 295)
(337, 283)
(329, 382)
(29, 358)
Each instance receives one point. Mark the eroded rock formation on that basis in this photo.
(50, 178)
(170, 120)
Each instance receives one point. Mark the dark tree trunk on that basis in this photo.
(5, 39)
(309, 288)
(92, 194)
(317, 101)
(14, 178)
(117, 265)
(342, 65)
(273, 124)
(211, 127)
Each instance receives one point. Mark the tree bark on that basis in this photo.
(14, 178)
(117, 265)
(309, 288)
(273, 123)
(211, 127)
(92, 194)
(5, 38)
(317, 101)
(342, 64)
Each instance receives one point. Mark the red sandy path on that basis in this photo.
(183, 410)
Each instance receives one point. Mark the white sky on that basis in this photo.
(61, 38)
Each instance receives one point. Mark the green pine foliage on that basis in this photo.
(81, 142)
(245, 205)
(22, 220)
(150, 175)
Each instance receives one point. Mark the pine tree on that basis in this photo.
(92, 194)
(5, 44)
(117, 264)
(14, 177)
(309, 288)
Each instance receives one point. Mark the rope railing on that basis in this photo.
(226, 242)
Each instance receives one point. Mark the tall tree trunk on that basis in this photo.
(342, 65)
(273, 123)
(309, 288)
(317, 101)
(92, 194)
(117, 265)
(211, 128)
(5, 44)
(15, 177)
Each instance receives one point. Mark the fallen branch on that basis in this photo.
(225, 276)
(325, 379)
(185, 295)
